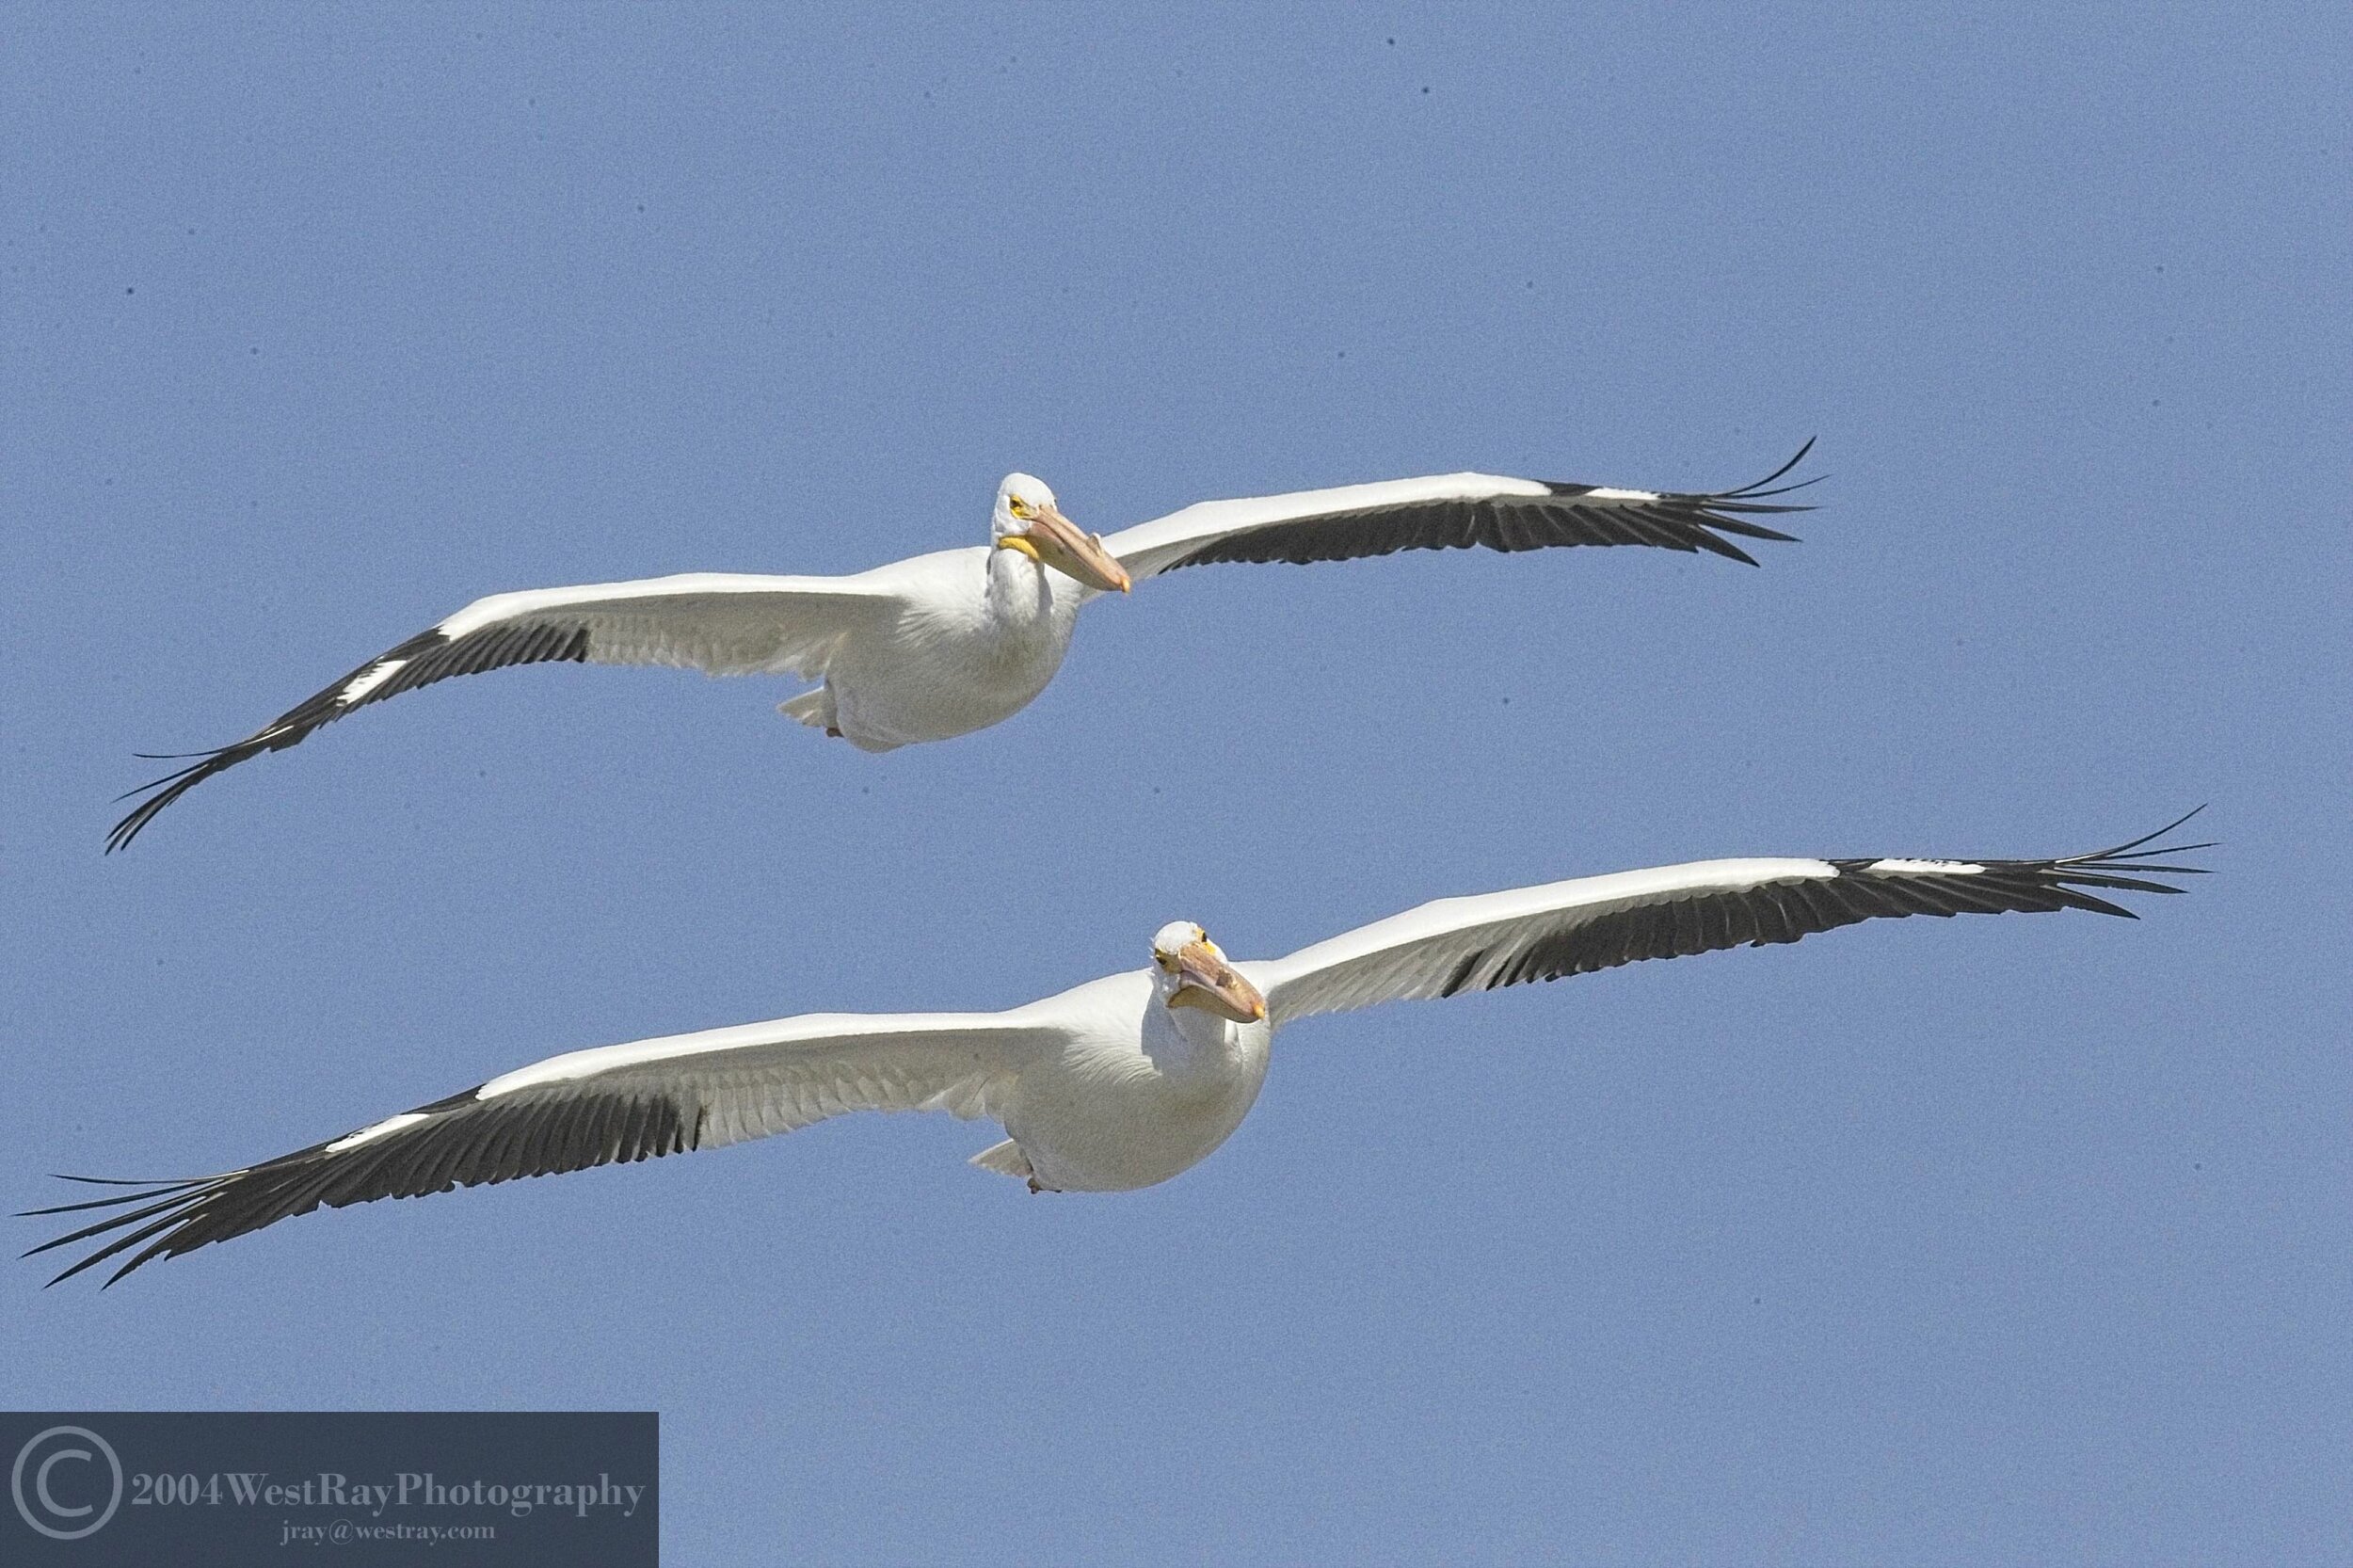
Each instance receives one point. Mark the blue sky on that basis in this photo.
(1929, 1242)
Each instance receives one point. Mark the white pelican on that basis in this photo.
(941, 645)
(1118, 1083)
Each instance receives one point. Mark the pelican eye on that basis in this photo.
(1017, 507)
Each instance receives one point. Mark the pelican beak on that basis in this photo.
(1206, 981)
(1054, 540)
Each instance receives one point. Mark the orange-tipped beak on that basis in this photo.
(1206, 981)
(1054, 540)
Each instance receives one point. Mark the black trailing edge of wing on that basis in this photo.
(466, 1142)
(1687, 521)
(1784, 911)
(425, 658)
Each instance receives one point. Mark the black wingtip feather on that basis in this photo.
(2133, 845)
(124, 1181)
(466, 1141)
(169, 789)
(147, 1190)
(1759, 914)
(429, 657)
(1798, 456)
(1567, 514)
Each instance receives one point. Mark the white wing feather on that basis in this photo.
(1150, 548)
(725, 623)
(751, 1081)
(1598, 922)
(616, 1103)
(720, 622)
(1455, 511)
(1426, 951)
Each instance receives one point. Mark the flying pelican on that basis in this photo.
(1118, 1083)
(941, 645)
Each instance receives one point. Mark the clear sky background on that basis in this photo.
(1924, 1243)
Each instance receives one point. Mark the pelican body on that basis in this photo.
(1138, 1091)
(1118, 1083)
(951, 660)
(941, 645)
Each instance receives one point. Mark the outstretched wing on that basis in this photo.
(1452, 511)
(722, 623)
(627, 1102)
(1597, 922)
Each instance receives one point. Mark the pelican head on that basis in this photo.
(1199, 976)
(1027, 521)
